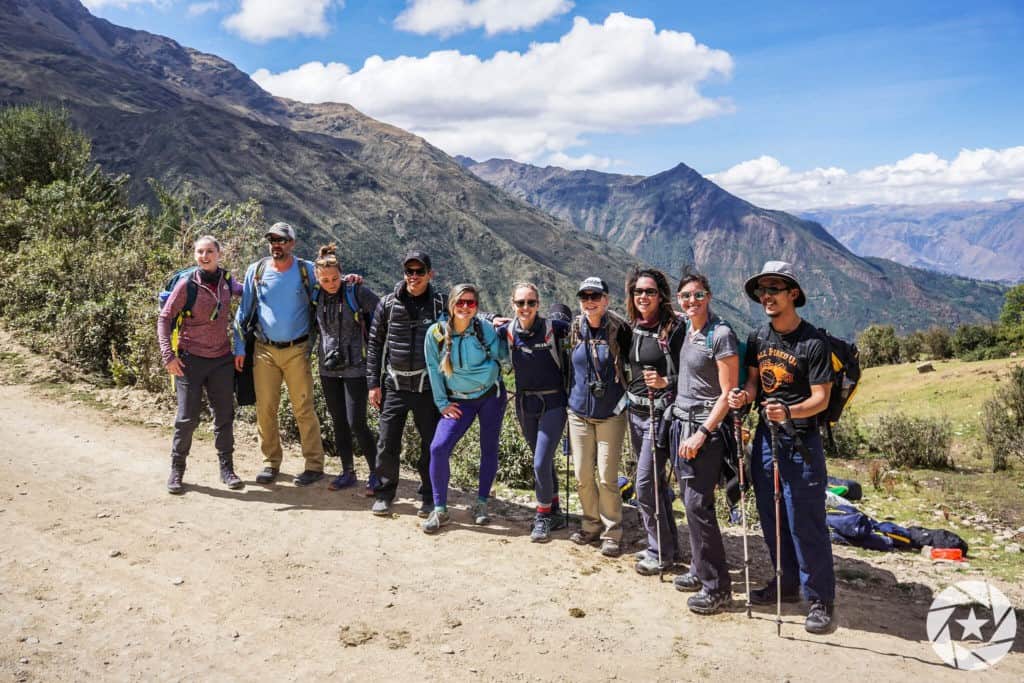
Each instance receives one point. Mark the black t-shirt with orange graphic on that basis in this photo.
(789, 364)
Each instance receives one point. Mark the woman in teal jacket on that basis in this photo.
(462, 355)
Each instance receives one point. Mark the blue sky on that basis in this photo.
(792, 104)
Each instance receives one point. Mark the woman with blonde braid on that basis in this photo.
(462, 355)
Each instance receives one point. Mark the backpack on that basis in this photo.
(549, 338)
(717, 322)
(613, 323)
(191, 292)
(845, 378)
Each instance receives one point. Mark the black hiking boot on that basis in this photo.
(687, 583)
(821, 619)
(308, 477)
(227, 471)
(766, 595)
(174, 484)
(267, 476)
(709, 602)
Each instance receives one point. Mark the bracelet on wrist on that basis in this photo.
(704, 430)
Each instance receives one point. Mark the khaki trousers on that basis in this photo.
(597, 444)
(271, 365)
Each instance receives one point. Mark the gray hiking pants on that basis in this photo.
(217, 376)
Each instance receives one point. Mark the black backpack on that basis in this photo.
(846, 377)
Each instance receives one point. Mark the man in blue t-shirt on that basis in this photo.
(790, 378)
(277, 300)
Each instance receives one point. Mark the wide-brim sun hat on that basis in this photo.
(779, 269)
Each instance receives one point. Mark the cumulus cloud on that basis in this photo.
(263, 20)
(448, 17)
(583, 162)
(97, 4)
(197, 9)
(974, 174)
(619, 75)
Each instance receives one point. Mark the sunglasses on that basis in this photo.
(415, 271)
(278, 240)
(761, 291)
(641, 291)
(465, 303)
(522, 303)
(699, 295)
(590, 296)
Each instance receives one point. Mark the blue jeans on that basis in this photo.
(805, 542)
(542, 419)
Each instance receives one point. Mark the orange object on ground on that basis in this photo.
(947, 554)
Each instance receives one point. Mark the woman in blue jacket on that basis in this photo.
(535, 347)
(462, 356)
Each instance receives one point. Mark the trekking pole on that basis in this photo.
(737, 425)
(565, 452)
(657, 478)
(773, 428)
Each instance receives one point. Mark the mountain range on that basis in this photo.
(679, 216)
(976, 239)
(157, 109)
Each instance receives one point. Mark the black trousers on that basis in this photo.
(217, 377)
(346, 402)
(396, 408)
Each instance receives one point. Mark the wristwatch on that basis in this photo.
(704, 430)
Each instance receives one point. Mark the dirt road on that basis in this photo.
(105, 576)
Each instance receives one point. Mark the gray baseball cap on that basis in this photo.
(281, 229)
(593, 284)
(780, 269)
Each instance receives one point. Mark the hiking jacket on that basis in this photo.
(475, 369)
(598, 358)
(199, 335)
(394, 354)
(340, 331)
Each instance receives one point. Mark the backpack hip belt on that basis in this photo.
(695, 415)
(395, 374)
(660, 403)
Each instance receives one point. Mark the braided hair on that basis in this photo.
(449, 325)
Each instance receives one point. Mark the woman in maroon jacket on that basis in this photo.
(202, 359)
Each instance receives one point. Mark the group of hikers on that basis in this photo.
(672, 380)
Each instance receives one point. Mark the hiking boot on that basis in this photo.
(174, 484)
(821, 619)
(687, 583)
(709, 602)
(558, 521)
(648, 565)
(581, 537)
(342, 481)
(227, 472)
(426, 507)
(610, 548)
(435, 521)
(766, 595)
(308, 477)
(371, 486)
(480, 516)
(541, 529)
(381, 507)
(267, 476)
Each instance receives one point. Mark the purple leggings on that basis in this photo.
(449, 430)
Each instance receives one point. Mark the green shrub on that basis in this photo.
(878, 345)
(1002, 421)
(973, 340)
(937, 343)
(848, 436)
(916, 442)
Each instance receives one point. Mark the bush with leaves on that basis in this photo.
(915, 442)
(1002, 421)
(848, 437)
(937, 343)
(878, 345)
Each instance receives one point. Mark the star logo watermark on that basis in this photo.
(977, 608)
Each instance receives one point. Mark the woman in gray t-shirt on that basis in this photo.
(708, 371)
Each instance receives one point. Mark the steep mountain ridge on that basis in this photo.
(157, 109)
(678, 217)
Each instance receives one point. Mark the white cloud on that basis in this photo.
(448, 17)
(919, 178)
(581, 163)
(621, 75)
(263, 20)
(200, 8)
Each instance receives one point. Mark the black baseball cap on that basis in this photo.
(417, 255)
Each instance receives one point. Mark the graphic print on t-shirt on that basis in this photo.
(776, 367)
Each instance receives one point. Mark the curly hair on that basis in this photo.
(666, 316)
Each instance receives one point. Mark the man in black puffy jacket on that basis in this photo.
(397, 376)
